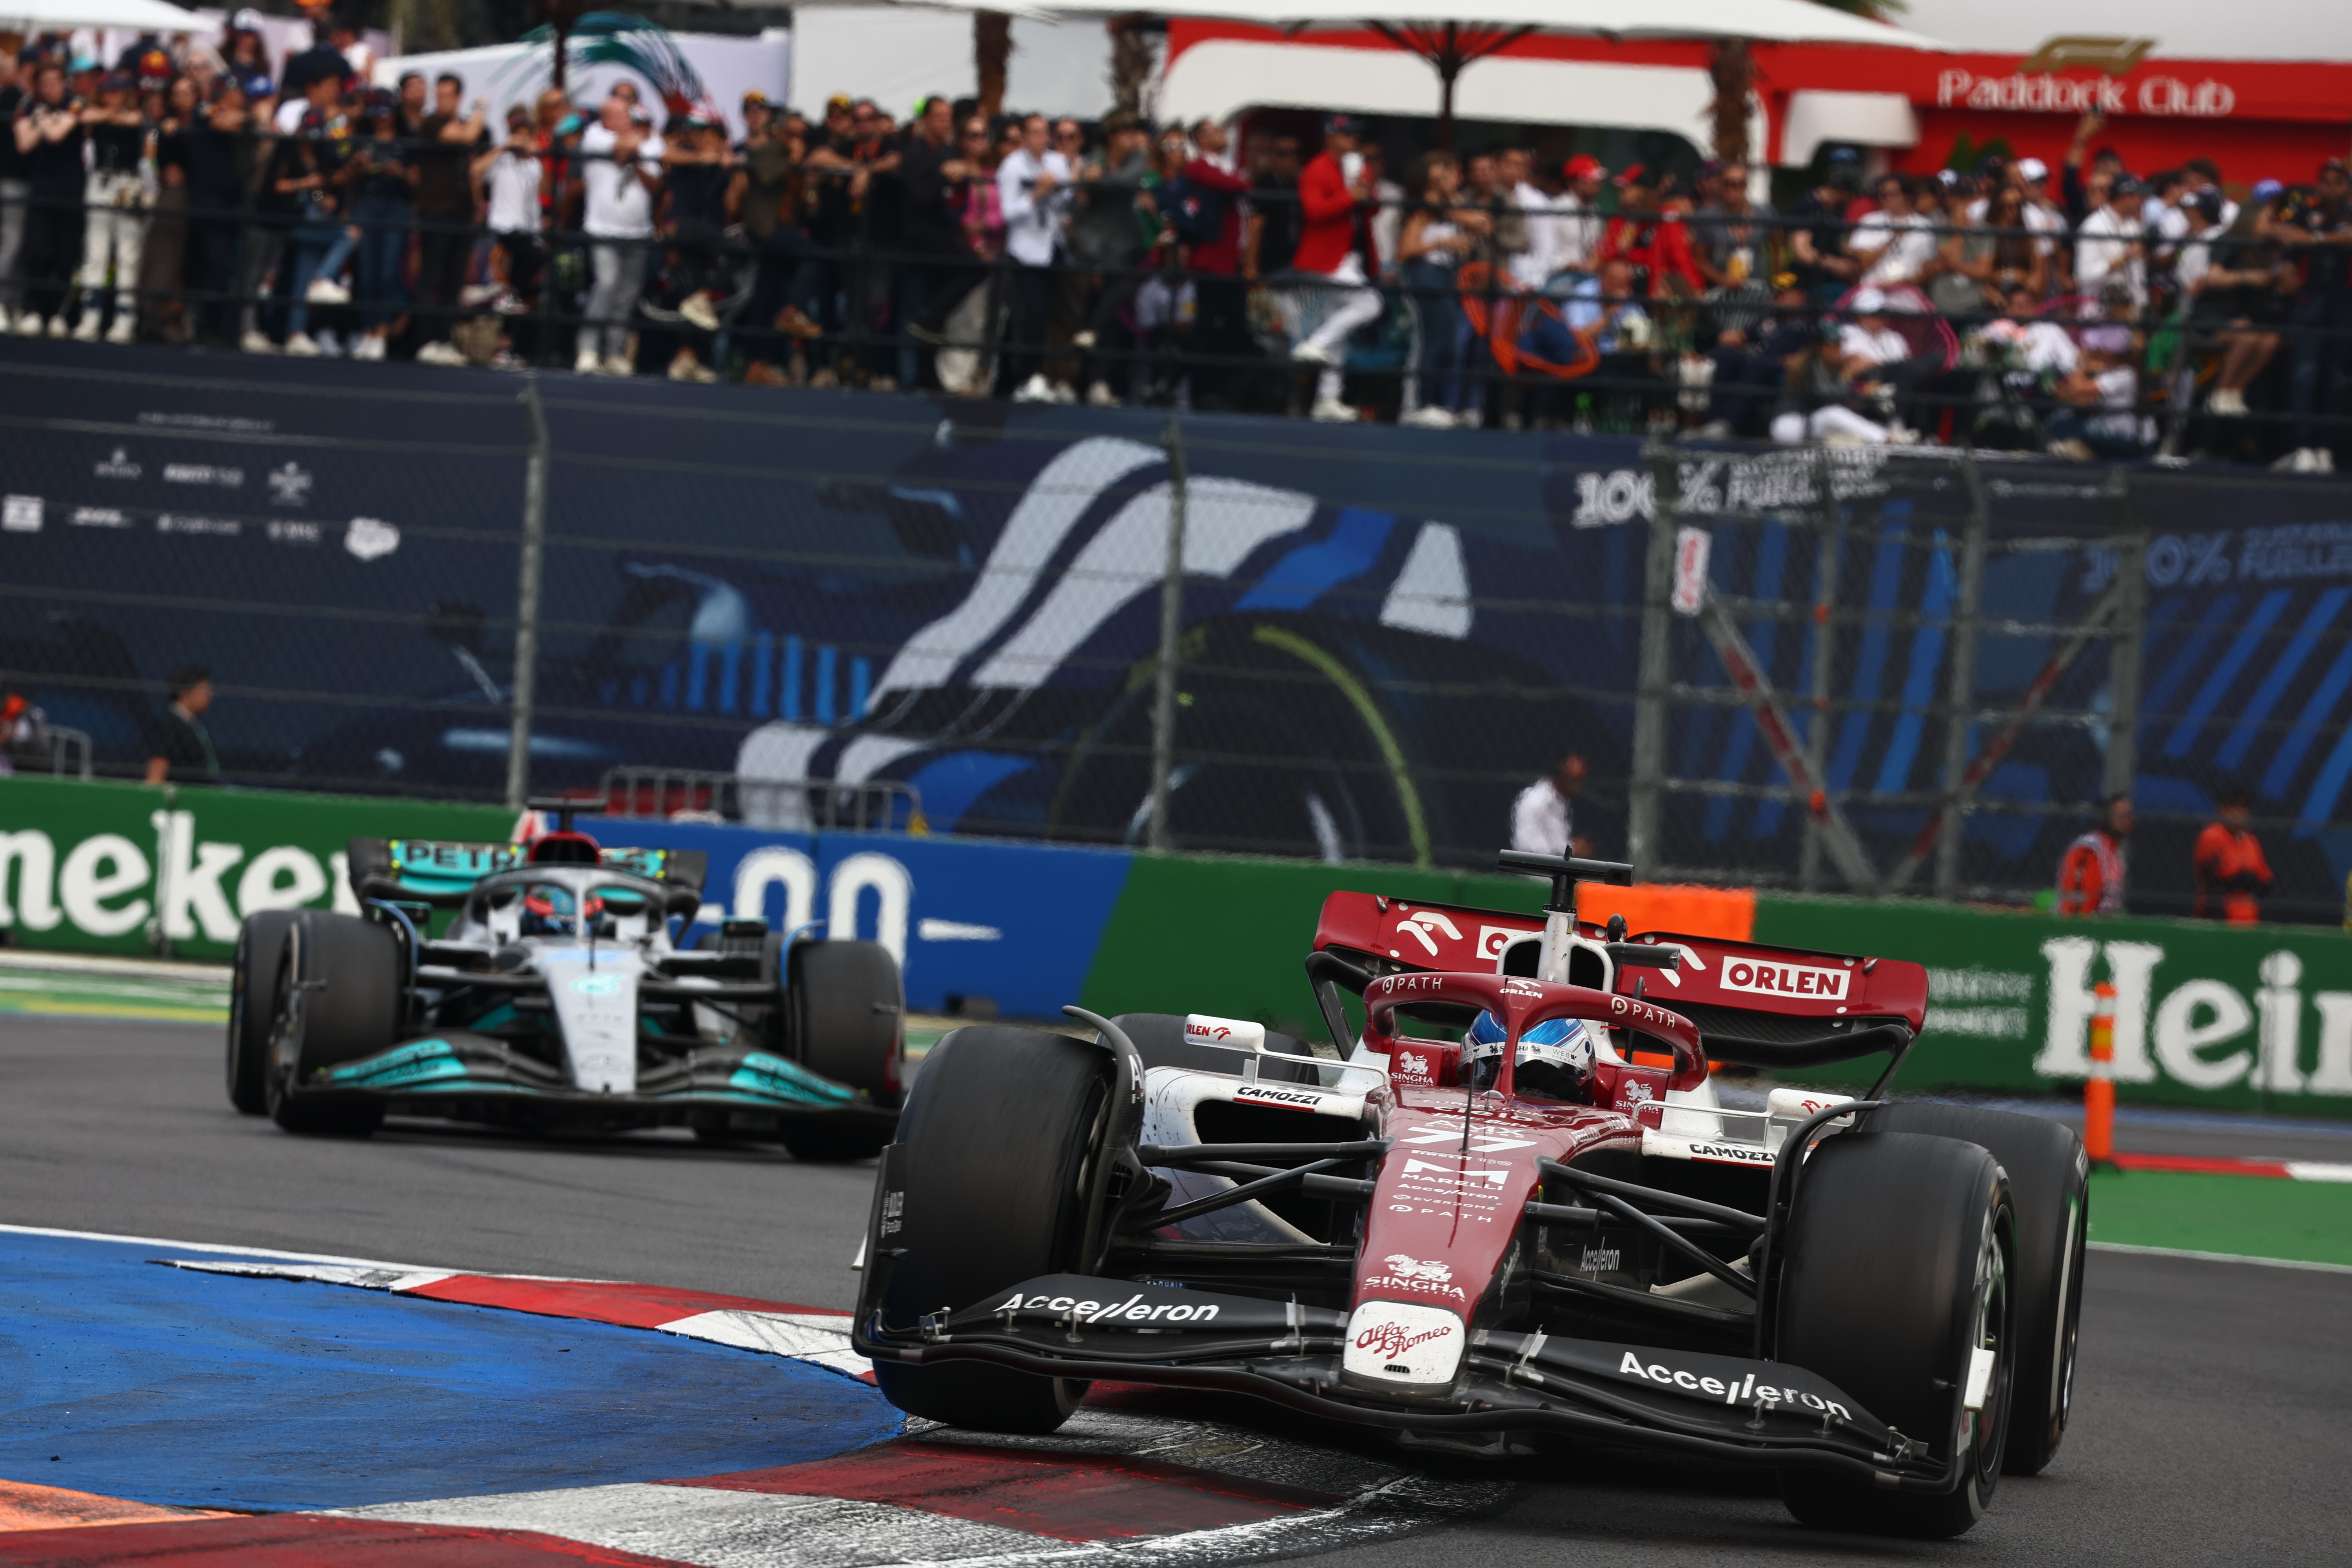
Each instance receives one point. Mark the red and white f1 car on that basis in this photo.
(1546, 1226)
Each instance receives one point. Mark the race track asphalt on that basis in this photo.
(2211, 1398)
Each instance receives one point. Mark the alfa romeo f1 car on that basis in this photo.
(1543, 1226)
(556, 998)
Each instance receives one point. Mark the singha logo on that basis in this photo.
(1402, 1267)
(1411, 1064)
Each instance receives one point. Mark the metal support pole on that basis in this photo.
(1654, 672)
(1828, 556)
(1171, 632)
(534, 542)
(2127, 629)
(1959, 694)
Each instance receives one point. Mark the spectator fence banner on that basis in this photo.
(1382, 634)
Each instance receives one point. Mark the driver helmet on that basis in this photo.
(547, 909)
(1555, 1058)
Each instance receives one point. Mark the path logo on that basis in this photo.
(1785, 980)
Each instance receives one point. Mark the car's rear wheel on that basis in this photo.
(253, 1006)
(2049, 1185)
(339, 999)
(1896, 1263)
(996, 1163)
(847, 1012)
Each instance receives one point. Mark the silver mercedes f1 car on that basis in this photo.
(557, 998)
(1503, 1206)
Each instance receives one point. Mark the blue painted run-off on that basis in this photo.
(211, 1390)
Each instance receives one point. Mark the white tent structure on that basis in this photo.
(67, 15)
(1454, 36)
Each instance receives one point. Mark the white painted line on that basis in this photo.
(88, 964)
(803, 1336)
(2222, 1256)
(357, 1275)
(711, 1528)
(205, 1247)
(2317, 1171)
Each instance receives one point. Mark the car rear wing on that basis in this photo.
(441, 872)
(1754, 1005)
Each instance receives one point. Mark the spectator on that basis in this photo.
(163, 261)
(1033, 188)
(1332, 191)
(1578, 224)
(1534, 264)
(381, 180)
(696, 179)
(1430, 252)
(1543, 816)
(1274, 217)
(25, 740)
(973, 325)
(2020, 260)
(14, 193)
(116, 207)
(1893, 244)
(49, 135)
(931, 169)
(1652, 237)
(770, 195)
(2236, 283)
(215, 191)
(2231, 874)
(445, 214)
(1108, 237)
(1752, 359)
(1387, 224)
(1220, 330)
(2318, 227)
(179, 747)
(621, 160)
(507, 180)
(1959, 275)
(2099, 414)
(303, 171)
(2091, 873)
(1817, 236)
(1730, 239)
(2110, 248)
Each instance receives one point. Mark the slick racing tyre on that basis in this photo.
(996, 1163)
(2049, 1185)
(847, 1015)
(253, 1006)
(339, 999)
(1159, 1040)
(1896, 1266)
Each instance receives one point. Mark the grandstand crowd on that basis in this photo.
(197, 189)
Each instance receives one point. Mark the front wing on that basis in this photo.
(1712, 1406)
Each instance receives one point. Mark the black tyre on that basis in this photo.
(1897, 1267)
(2049, 1186)
(996, 1161)
(253, 1006)
(835, 1142)
(339, 999)
(848, 1019)
(1159, 1040)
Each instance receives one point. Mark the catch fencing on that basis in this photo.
(1100, 626)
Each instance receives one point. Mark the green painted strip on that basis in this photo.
(2305, 1222)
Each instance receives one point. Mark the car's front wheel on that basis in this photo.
(339, 999)
(993, 1173)
(253, 1006)
(1896, 1277)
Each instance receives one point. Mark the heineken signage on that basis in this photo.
(2205, 1013)
(108, 868)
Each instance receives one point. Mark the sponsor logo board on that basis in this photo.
(1764, 979)
(1402, 1342)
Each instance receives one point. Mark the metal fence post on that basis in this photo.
(1959, 698)
(535, 540)
(1172, 631)
(1828, 554)
(1645, 816)
(2130, 624)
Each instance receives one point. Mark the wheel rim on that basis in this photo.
(1985, 1428)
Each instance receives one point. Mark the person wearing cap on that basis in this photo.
(115, 204)
(505, 178)
(1332, 191)
(622, 158)
(1578, 222)
(2318, 232)
(49, 136)
(2110, 246)
(1652, 236)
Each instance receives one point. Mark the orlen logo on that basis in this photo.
(1515, 987)
(1419, 927)
(1193, 1031)
(1784, 980)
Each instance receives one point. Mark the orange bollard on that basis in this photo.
(2099, 1091)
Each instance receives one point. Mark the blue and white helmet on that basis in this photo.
(1555, 1056)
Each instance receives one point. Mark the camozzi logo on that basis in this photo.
(1286, 1099)
(1785, 980)
(1426, 1277)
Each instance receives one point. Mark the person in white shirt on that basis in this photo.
(1032, 189)
(1531, 267)
(1893, 244)
(506, 179)
(1867, 339)
(2109, 248)
(621, 159)
(1543, 817)
(1578, 222)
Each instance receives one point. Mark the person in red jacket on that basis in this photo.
(1332, 192)
(2091, 874)
(1657, 242)
(1220, 327)
(2231, 874)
